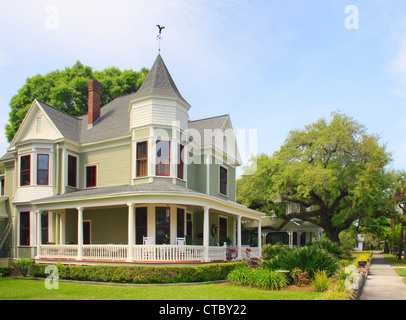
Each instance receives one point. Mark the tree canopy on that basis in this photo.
(334, 171)
(67, 90)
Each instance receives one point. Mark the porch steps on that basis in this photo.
(5, 235)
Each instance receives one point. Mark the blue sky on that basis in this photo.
(273, 66)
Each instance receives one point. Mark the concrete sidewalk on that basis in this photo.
(383, 283)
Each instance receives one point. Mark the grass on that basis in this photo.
(16, 289)
(394, 261)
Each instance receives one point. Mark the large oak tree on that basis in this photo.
(334, 171)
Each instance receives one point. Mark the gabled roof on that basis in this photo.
(159, 82)
(208, 123)
(66, 123)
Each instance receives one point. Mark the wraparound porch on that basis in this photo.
(118, 225)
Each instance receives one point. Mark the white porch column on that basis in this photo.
(39, 234)
(62, 219)
(259, 237)
(299, 234)
(51, 227)
(131, 232)
(239, 256)
(290, 233)
(80, 234)
(206, 233)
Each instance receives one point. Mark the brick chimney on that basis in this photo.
(94, 95)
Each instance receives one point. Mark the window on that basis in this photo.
(72, 171)
(162, 222)
(91, 176)
(142, 159)
(180, 222)
(162, 158)
(24, 228)
(44, 227)
(140, 225)
(180, 162)
(25, 170)
(223, 181)
(42, 169)
(2, 186)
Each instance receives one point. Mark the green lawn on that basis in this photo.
(394, 261)
(15, 289)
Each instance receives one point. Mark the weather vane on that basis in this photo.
(159, 36)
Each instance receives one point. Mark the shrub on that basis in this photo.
(6, 271)
(339, 292)
(24, 266)
(270, 251)
(321, 281)
(309, 259)
(333, 248)
(259, 278)
(299, 277)
(140, 274)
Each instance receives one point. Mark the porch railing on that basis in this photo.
(65, 251)
(105, 252)
(169, 253)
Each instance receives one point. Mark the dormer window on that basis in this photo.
(163, 151)
(25, 170)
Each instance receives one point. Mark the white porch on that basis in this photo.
(210, 246)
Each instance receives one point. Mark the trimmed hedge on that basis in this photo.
(139, 274)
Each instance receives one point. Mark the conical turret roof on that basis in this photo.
(159, 82)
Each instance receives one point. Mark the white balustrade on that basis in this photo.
(63, 251)
(151, 253)
(105, 252)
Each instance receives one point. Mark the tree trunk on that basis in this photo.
(332, 234)
(400, 242)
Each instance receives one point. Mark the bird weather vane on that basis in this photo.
(159, 36)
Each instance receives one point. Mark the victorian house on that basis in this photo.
(134, 181)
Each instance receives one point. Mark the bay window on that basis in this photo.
(42, 169)
(142, 159)
(25, 170)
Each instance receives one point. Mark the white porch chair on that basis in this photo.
(148, 253)
(181, 241)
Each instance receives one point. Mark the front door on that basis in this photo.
(86, 232)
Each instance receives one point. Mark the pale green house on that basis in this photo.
(134, 181)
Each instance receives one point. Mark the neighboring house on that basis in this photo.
(295, 233)
(129, 182)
